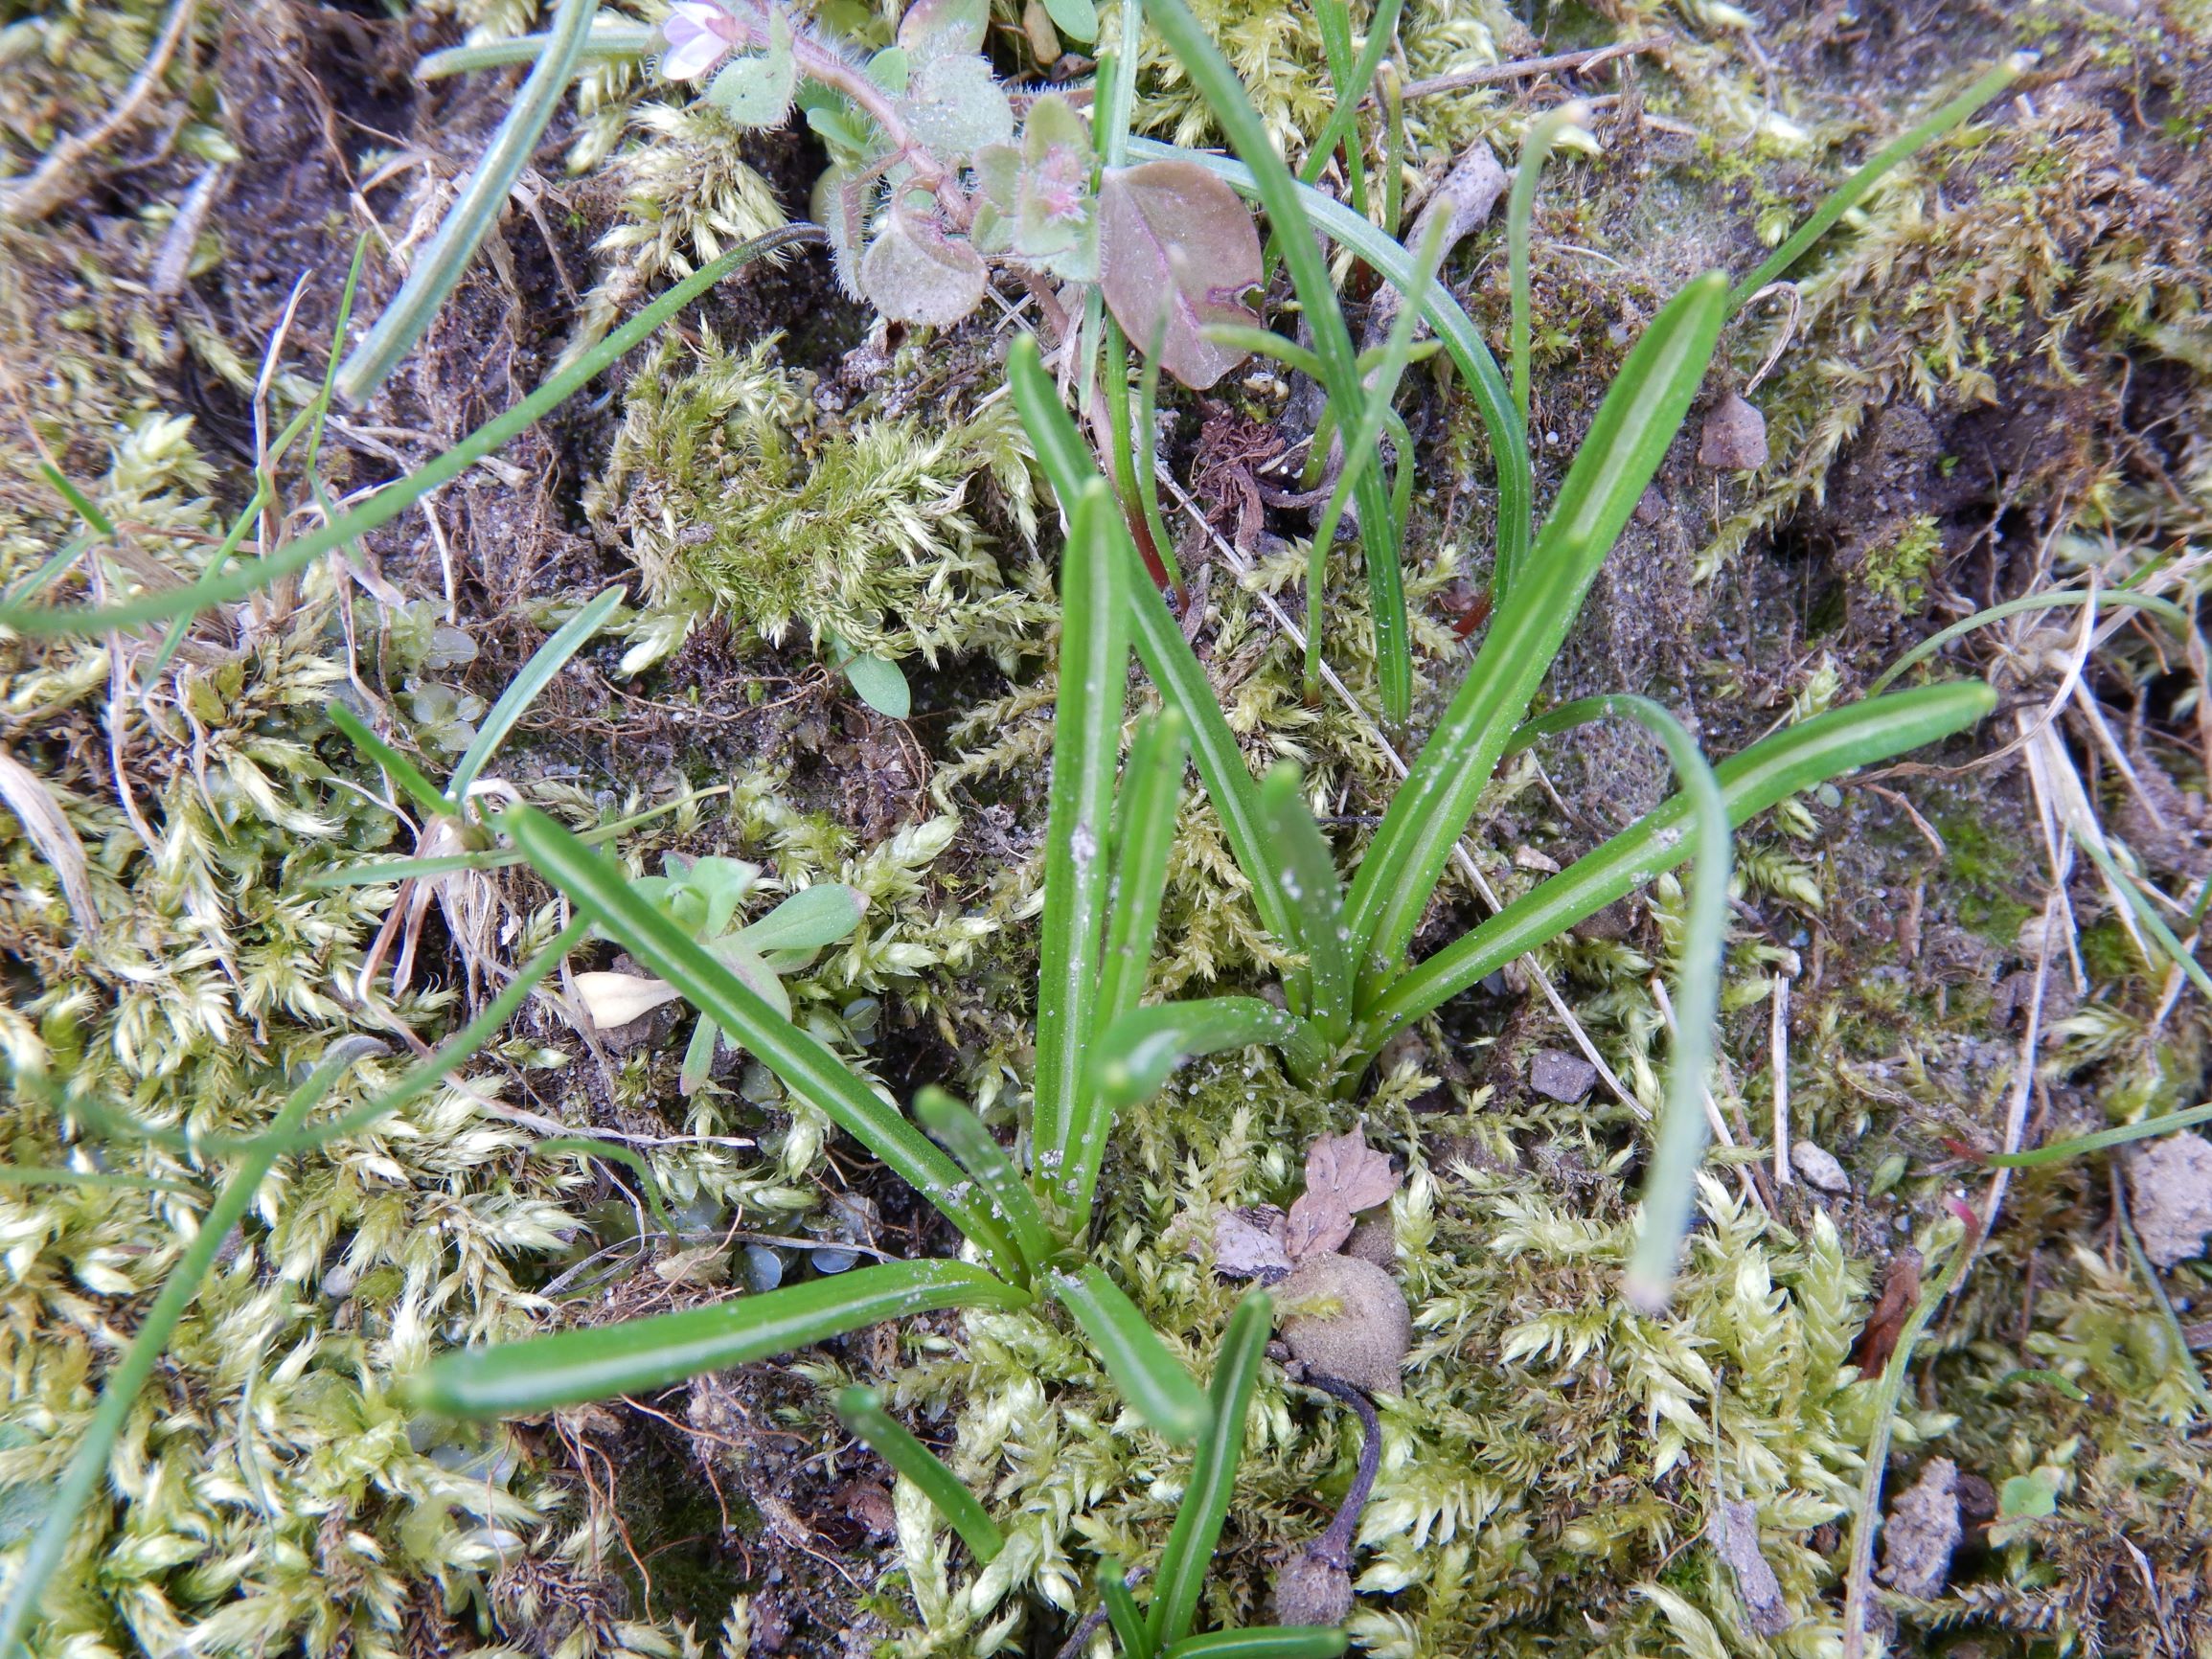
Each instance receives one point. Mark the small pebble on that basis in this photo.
(1817, 1167)
(1560, 1075)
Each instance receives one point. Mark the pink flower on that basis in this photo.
(698, 36)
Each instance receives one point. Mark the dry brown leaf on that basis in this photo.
(1318, 1224)
(1345, 1165)
(1900, 1296)
(50, 831)
(1248, 1243)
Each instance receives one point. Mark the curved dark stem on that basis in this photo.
(1334, 1546)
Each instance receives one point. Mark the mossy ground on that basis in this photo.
(2001, 374)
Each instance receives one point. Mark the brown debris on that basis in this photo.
(1733, 1532)
(1734, 438)
(1900, 1296)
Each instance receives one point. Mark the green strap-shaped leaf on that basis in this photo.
(1068, 1130)
(1144, 835)
(1485, 381)
(1151, 1378)
(1140, 1051)
(1121, 1611)
(1324, 988)
(2119, 1135)
(1796, 758)
(1262, 1641)
(861, 1411)
(397, 766)
(1671, 1185)
(979, 1153)
(1167, 655)
(810, 1070)
(1190, 1549)
(437, 270)
(545, 662)
(1224, 94)
(1628, 440)
(546, 1373)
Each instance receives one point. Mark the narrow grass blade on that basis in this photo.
(861, 1411)
(545, 662)
(1264, 1641)
(1121, 1611)
(455, 1051)
(962, 1134)
(53, 1175)
(1853, 190)
(1144, 835)
(1167, 655)
(607, 43)
(1520, 207)
(1795, 758)
(1135, 497)
(1343, 120)
(2119, 1135)
(2163, 608)
(1628, 440)
(1335, 18)
(1485, 382)
(1151, 1378)
(437, 268)
(2146, 913)
(1198, 1528)
(1140, 1051)
(810, 1070)
(220, 586)
(1266, 343)
(386, 870)
(810, 920)
(546, 1373)
(397, 766)
(630, 1158)
(1068, 1130)
(119, 1390)
(80, 503)
(1670, 1187)
(1391, 88)
(1210, 72)
(1317, 900)
(1386, 581)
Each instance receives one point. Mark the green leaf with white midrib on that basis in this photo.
(809, 1069)
(1634, 425)
(1485, 381)
(861, 1411)
(1144, 835)
(1190, 1546)
(1280, 193)
(570, 1366)
(1323, 988)
(1167, 655)
(437, 270)
(962, 1134)
(1067, 1130)
(1139, 1051)
(545, 662)
(1795, 758)
(1151, 1379)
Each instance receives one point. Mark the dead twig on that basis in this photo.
(1523, 68)
(58, 179)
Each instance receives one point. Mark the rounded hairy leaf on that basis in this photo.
(944, 28)
(1177, 251)
(957, 107)
(914, 273)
